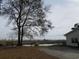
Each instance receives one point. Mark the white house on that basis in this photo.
(72, 37)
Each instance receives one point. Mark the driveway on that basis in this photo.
(62, 52)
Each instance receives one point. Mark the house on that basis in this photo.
(72, 37)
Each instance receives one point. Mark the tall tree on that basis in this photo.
(0, 5)
(27, 16)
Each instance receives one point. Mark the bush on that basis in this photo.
(9, 43)
(1, 45)
(36, 44)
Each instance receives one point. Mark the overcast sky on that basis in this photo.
(63, 14)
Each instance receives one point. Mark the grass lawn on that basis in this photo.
(23, 53)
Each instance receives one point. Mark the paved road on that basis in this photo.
(62, 54)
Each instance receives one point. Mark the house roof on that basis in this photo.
(68, 33)
(71, 31)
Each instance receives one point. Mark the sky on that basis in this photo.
(62, 13)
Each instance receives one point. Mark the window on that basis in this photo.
(74, 40)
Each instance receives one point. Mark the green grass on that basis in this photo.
(7, 42)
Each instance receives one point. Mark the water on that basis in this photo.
(42, 45)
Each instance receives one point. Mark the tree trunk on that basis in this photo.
(22, 34)
(19, 39)
(19, 29)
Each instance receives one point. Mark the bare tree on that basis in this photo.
(0, 5)
(28, 17)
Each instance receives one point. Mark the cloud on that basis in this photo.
(77, 1)
(63, 16)
(73, 2)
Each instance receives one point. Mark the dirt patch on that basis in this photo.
(23, 53)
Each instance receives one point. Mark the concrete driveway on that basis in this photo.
(62, 52)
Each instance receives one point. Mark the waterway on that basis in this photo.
(42, 45)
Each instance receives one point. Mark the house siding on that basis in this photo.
(73, 35)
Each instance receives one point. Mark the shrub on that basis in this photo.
(36, 44)
(9, 43)
(1, 45)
